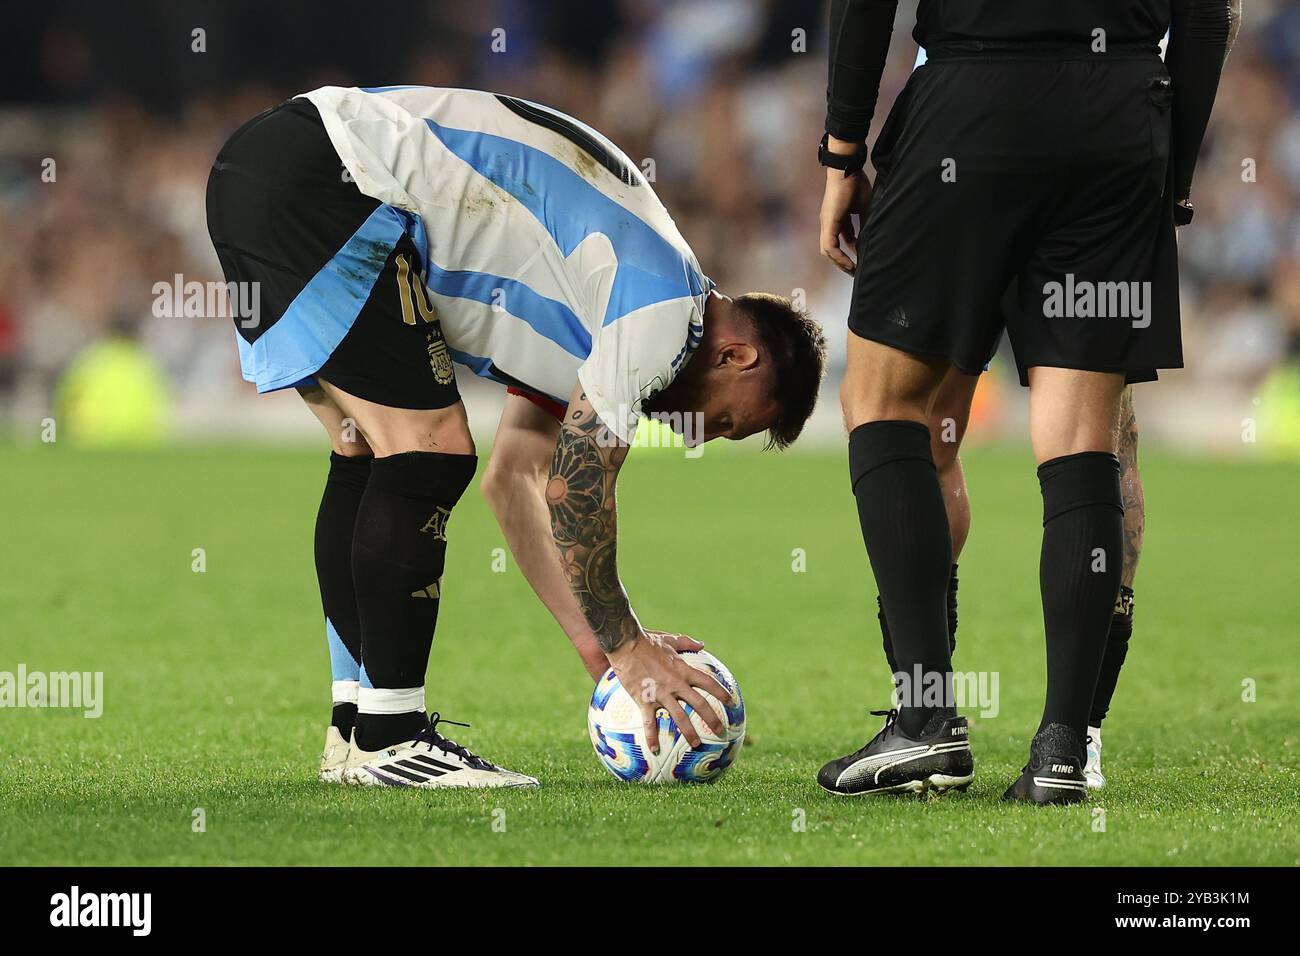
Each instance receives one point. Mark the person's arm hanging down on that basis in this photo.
(859, 43)
(1200, 37)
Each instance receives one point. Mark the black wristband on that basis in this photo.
(850, 164)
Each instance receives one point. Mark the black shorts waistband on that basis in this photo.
(1035, 50)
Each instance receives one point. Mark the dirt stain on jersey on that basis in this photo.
(482, 200)
(583, 163)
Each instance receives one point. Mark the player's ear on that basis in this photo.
(742, 355)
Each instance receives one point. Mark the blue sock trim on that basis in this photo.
(342, 664)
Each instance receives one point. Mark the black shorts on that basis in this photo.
(339, 288)
(1048, 177)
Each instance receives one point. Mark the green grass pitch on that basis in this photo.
(216, 683)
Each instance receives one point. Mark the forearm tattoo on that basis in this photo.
(1130, 484)
(584, 519)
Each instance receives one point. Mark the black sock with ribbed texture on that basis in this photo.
(1079, 574)
(952, 624)
(335, 520)
(905, 529)
(1112, 662)
(398, 551)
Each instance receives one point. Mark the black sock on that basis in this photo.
(398, 550)
(905, 529)
(952, 623)
(373, 732)
(344, 717)
(1079, 574)
(888, 641)
(335, 520)
(1121, 629)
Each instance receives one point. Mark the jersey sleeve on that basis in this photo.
(859, 45)
(635, 357)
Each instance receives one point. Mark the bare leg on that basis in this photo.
(393, 431)
(948, 421)
(884, 384)
(1130, 480)
(1072, 412)
(345, 438)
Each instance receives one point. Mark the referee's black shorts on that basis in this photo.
(1048, 177)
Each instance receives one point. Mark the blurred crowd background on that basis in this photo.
(110, 115)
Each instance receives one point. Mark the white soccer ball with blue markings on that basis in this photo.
(614, 721)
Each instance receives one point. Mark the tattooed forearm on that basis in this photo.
(584, 520)
(1130, 484)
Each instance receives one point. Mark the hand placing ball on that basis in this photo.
(619, 735)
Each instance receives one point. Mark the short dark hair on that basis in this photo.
(798, 350)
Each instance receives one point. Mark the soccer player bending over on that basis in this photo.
(398, 232)
(1045, 145)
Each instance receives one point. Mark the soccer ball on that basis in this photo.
(614, 721)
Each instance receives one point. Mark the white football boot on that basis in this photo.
(431, 762)
(334, 757)
(1092, 774)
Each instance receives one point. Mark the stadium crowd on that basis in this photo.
(103, 164)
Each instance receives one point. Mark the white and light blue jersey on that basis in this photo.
(547, 255)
